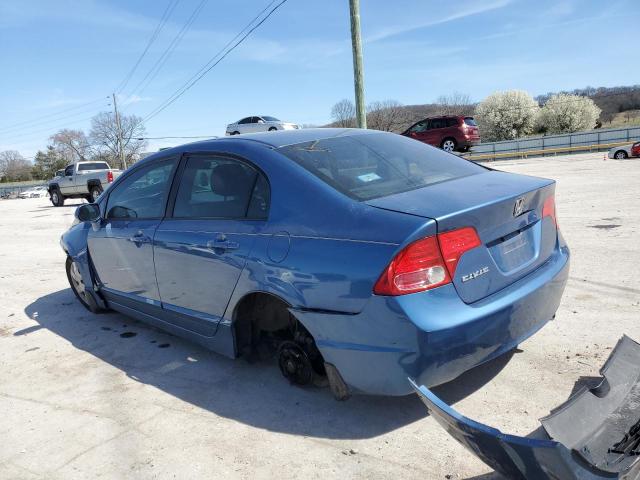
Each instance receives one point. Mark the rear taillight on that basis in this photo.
(109, 177)
(427, 263)
(549, 209)
(455, 243)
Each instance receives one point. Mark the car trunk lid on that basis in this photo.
(506, 211)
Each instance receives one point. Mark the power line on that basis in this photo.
(160, 62)
(163, 20)
(48, 129)
(19, 130)
(10, 127)
(213, 62)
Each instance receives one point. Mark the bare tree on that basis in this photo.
(104, 135)
(343, 114)
(72, 145)
(455, 104)
(387, 115)
(14, 167)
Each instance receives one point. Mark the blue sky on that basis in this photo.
(62, 54)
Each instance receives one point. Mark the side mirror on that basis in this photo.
(89, 212)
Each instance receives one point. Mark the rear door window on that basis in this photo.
(437, 123)
(219, 187)
(373, 165)
(452, 122)
(68, 171)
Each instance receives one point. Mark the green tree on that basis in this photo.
(45, 164)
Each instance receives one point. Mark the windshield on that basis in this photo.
(368, 166)
(269, 119)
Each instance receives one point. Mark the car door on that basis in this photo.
(419, 131)
(434, 134)
(258, 124)
(220, 206)
(121, 247)
(244, 125)
(67, 183)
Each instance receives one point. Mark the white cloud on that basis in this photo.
(131, 99)
(465, 11)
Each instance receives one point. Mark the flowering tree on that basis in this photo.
(564, 113)
(506, 115)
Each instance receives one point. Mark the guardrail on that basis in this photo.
(542, 152)
(554, 144)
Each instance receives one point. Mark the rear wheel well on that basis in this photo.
(262, 323)
(259, 312)
(455, 142)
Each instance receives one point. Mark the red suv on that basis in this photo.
(449, 133)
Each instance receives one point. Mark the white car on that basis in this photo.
(35, 192)
(263, 123)
(625, 151)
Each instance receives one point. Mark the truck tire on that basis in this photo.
(94, 193)
(56, 198)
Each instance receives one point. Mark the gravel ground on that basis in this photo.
(86, 396)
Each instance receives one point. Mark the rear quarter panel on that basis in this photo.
(320, 249)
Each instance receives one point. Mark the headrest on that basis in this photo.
(229, 179)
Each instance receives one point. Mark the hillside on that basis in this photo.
(620, 107)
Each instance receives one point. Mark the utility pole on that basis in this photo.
(358, 74)
(123, 162)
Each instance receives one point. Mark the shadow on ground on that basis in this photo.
(254, 394)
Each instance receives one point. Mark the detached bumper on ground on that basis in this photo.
(429, 340)
(594, 435)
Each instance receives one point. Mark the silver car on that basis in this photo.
(625, 151)
(262, 123)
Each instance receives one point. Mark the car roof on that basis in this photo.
(281, 138)
(277, 139)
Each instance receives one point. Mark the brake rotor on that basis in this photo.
(294, 363)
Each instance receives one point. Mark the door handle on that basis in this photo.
(221, 243)
(139, 238)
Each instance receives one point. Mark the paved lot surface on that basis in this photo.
(78, 399)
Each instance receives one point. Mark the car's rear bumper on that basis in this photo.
(433, 336)
(470, 141)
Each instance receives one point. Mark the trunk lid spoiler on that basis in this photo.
(593, 435)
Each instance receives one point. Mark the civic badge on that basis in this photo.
(518, 207)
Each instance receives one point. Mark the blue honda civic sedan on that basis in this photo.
(358, 255)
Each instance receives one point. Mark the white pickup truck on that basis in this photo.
(81, 180)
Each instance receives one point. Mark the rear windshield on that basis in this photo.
(93, 166)
(470, 121)
(368, 166)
